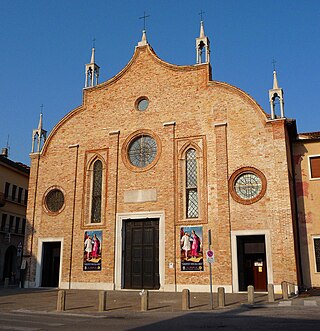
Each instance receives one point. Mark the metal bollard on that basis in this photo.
(6, 282)
(144, 300)
(250, 295)
(284, 287)
(185, 299)
(221, 297)
(270, 293)
(102, 300)
(61, 302)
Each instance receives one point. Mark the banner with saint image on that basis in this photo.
(92, 250)
(191, 255)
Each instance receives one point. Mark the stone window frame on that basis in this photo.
(44, 204)
(199, 144)
(130, 139)
(309, 166)
(91, 158)
(241, 171)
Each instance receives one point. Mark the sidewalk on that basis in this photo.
(86, 301)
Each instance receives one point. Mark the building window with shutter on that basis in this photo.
(14, 192)
(6, 190)
(192, 209)
(314, 166)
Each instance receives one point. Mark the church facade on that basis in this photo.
(160, 170)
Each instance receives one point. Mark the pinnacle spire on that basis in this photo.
(202, 45)
(92, 55)
(38, 136)
(276, 97)
(92, 70)
(275, 81)
(202, 34)
(40, 122)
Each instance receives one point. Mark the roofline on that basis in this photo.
(16, 165)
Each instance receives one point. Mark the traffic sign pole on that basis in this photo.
(210, 270)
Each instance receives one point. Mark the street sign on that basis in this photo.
(210, 256)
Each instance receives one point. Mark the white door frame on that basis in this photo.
(234, 235)
(41, 241)
(120, 240)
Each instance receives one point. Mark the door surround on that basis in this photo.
(39, 261)
(121, 217)
(234, 252)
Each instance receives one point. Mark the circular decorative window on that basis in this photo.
(247, 185)
(54, 200)
(142, 104)
(141, 150)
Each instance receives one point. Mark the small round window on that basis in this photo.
(54, 200)
(142, 104)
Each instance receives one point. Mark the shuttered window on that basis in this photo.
(314, 166)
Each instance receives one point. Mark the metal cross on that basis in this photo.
(41, 111)
(94, 42)
(274, 64)
(144, 20)
(201, 14)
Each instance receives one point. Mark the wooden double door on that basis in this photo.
(141, 254)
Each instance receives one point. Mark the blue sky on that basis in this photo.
(46, 43)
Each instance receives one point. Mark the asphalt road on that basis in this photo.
(239, 318)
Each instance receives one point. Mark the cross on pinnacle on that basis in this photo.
(274, 64)
(41, 111)
(144, 20)
(94, 42)
(201, 15)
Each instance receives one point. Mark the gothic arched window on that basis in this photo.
(192, 209)
(96, 193)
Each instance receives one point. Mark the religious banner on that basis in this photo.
(92, 250)
(191, 248)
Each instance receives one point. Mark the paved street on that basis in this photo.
(28, 310)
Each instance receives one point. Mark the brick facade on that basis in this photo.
(228, 130)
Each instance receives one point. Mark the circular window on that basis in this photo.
(142, 151)
(54, 200)
(247, 185)
(142, 104)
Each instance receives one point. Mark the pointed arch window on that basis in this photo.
(96, 193)
(192, 208)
